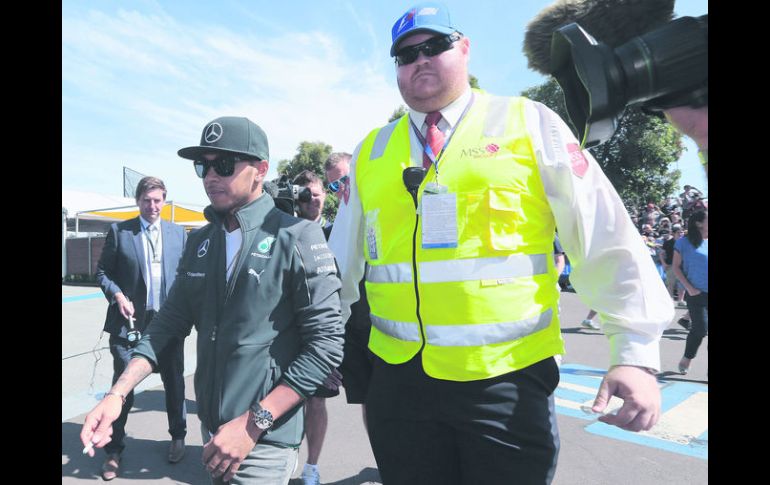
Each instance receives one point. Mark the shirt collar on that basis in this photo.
(146, 225)
(451, 112)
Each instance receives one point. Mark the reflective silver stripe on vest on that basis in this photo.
(513, 266)
(389, 273)
(476, 334)
(497, 116)
(406, 331)
(382, 139)
(504, 267)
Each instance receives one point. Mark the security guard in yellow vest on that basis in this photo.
(461, 282)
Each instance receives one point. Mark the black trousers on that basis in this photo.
(698, 306)
(171, 369)
(495, 431)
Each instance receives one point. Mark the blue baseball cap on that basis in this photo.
(428, 16)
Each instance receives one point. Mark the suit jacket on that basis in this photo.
(121, 268)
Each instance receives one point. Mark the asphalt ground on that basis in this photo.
(674, 452)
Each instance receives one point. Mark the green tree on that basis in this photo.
(311, 156)
(331, 206)
(636, 159)
(397, 113)
(473, 81)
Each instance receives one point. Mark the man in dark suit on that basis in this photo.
(136, 270)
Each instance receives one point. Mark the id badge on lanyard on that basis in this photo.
(439, 220)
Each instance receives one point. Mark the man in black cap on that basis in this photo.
(262, 290)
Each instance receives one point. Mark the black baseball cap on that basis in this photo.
(230, 134)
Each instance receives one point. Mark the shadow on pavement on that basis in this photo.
(675, 334)
(677, 377)
(155, 400)
(581, 330)
(143, 458)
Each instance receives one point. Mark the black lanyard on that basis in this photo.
(155, 258)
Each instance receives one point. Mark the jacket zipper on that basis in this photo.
(230, 284)
(228, 292)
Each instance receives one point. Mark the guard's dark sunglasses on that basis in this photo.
(224, 165)
(431, 47)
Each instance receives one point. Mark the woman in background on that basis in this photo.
(690, 264)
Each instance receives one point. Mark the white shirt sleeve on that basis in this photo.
(612, 271)
(346, 242)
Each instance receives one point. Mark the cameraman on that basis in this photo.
(312, 210)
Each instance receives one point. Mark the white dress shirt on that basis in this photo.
(153, 252)
(611, 269)
(233, 241)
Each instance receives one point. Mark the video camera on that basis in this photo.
(661, 69)
(286, 195)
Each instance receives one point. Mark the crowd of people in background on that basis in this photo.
(660, 227)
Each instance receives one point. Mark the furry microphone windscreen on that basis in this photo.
(612, 22)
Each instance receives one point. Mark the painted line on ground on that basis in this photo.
(70, 299)
(683, 425)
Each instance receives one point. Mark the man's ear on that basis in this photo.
(262, 167)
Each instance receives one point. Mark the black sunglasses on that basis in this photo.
(335, 186)
(224, 166)
(431, 47)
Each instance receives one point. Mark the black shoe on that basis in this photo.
(111, 466)
(176, 450)
(684, 322)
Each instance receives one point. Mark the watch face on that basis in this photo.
(263, 419)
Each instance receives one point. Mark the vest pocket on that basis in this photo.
(504, 214)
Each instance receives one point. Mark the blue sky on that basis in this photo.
(140, 79)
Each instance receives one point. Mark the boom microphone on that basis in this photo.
(612, 22)
(605, 57)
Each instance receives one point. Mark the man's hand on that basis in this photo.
(97, 428)
(226, 450)
(124, 305)
(334, 381)
(641, 398)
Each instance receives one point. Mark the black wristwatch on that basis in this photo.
(263, 419)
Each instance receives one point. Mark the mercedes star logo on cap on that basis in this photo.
(213, 132)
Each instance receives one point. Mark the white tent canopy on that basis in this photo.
(78, 201)
(100, 207)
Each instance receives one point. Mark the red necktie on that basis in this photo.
(435, 137)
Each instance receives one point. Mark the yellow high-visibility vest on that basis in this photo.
(490, 305)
